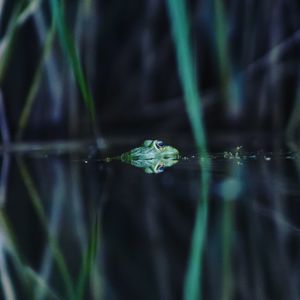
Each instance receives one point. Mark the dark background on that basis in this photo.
(128, 57)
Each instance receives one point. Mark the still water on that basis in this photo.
(75, 227)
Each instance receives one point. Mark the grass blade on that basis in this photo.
(179, 21)
(35, 84)
(19, 16)
(37, 281)
(57, 254)
(70, 50)
(88, 260)
(3, 122)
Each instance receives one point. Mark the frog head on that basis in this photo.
(153, 156)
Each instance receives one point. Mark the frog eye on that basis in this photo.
(159, 168)
(159, 144)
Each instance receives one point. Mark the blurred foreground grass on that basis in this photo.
(35, 284)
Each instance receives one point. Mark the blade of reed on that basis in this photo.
(193, 279)
(6, 157)
(82, 14)
(220, 31)
(29, 10)
(38, 282)
(3, 122)
(10, 247)
(6, 282)
(28, 277)
(293, 125)
(57, 254)
(25, 114)
(230, 89)
(88, 262)
(55, 218)
(19, 16)
(1, 7)
(227, 227)
(53, 77)
(179, 22)
(6, 43)
(70, 51)
(230, 192)
(4, 178)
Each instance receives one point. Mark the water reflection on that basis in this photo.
(71, 230)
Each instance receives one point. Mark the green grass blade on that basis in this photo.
(230, 88)
(227, 228)
(6, 43)
(180, 28)
(28, 277)
(57, 254)
(293, 126)
(35, 84)
(179, 22)
(88, 260)
(29, 10)
(4, 130)
(69, 47)
(193, 279)
(37, 281)
(221, 41)
(19, 16)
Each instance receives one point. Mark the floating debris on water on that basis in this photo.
(235, 155)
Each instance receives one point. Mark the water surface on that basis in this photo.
(52, 196)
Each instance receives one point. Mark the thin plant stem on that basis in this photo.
(88, 260)
(3, 122)
(28, 277)
(23, 122)
(6, 158)
(57, 254)
(180, 27)
(71, 53)
(19, 16)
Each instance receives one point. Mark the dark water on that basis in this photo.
(252, 234)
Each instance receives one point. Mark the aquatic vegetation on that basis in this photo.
(52, 241)
(181, 34)
(25, 115)
(86, 272)
(72, 55)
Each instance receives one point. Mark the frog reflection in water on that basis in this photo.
(153, 156)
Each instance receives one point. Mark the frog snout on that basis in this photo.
(171, 153)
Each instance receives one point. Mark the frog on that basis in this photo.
(153, 156)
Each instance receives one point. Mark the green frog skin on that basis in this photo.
(152, 156)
